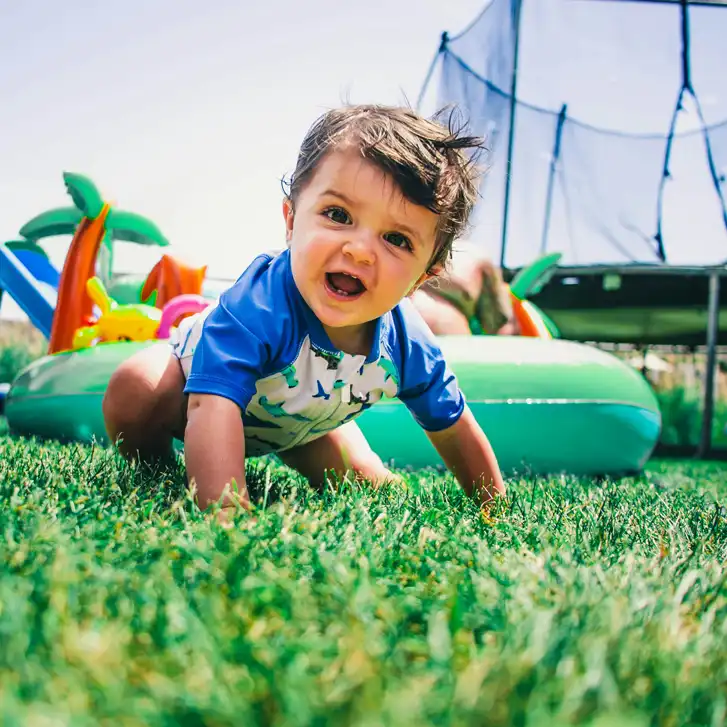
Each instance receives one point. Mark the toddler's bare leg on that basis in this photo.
(494, 307)
(440, 315)
(472, 287)
(144, 405)
(343, 451)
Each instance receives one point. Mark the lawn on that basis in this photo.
(577, 603)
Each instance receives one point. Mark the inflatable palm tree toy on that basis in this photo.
(93, 223)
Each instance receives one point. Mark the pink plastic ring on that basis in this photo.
(188, 303)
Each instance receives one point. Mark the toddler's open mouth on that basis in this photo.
(345, 285)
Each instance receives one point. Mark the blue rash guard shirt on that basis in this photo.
(262, 347)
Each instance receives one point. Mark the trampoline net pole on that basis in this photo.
(705, 440)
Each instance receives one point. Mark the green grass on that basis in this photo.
(577, 603)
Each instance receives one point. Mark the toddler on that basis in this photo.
(309, 338)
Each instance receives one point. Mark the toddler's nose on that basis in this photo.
(360, 247)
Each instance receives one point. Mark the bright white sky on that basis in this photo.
(190, 112)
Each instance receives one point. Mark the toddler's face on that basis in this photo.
(358, 246)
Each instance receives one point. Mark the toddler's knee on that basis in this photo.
(127, 400)
(144, 404)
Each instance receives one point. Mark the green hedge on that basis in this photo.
(681, 413)
(12, 359)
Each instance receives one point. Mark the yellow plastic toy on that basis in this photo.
(132, 322)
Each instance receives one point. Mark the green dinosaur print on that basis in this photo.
(390, 370)
(356, 412)
(289, 373)
(365, 403)
(250, 439)
(276, 410)
(338, 384)
(250, 420)
(360, 399)
(322, 430)
(332, 359)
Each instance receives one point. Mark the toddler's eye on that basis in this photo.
(398, 240)
(337, 214)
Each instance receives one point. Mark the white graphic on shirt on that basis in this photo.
(318, 392)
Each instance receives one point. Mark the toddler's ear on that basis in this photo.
(435, 271)
(288, 216)
(432, 272)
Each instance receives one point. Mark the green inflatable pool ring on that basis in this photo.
(547, 405)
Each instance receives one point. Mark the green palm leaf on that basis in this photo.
(84, 193)
(133, 227)
(531, 279)
(59, 221)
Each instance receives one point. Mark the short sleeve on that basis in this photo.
(428, 387)
(236, 344)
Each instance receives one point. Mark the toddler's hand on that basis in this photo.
(226, 514)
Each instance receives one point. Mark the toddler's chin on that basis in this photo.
(339, 321)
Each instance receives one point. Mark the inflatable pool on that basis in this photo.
(547, 405)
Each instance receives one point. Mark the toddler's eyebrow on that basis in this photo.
(340, 195)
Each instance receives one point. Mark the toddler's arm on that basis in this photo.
(467, 452)
(214, 449)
